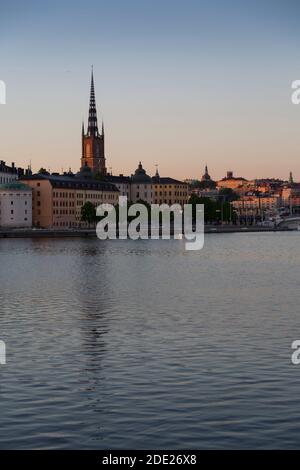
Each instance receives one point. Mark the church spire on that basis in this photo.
(206, 176)
(93, 121)
(93, 145)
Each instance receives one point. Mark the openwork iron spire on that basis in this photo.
(93, 121)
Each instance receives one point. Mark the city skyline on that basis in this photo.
(178, 87)
(149, 229)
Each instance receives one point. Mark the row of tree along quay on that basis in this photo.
(215, 212)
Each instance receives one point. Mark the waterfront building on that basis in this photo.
(169, 191)
(15, 205)
(290, 190)
(122, 183)
(268, 185)
(290, 196)
(93, 141)
(257, 205)
(141, 186)
(157, 190)
(294, 203)
(58, 199)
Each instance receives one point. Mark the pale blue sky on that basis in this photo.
(177, 83)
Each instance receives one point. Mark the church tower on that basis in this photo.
(206, 176)
(93, 150)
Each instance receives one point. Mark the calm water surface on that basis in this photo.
(124, 344)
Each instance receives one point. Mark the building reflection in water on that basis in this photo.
(93, 291)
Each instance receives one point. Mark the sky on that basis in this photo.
(178, 84)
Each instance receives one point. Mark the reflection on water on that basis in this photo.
(123, 344)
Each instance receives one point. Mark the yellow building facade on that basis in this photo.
(57, 200)
(169, 191)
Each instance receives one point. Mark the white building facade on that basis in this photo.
(8, 174)
(122, 183)
(15, 206)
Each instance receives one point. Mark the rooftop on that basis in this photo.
(121, 179)
(15, 187)
(166, 180)
(233, 178)
(8, 169)
(72, 182)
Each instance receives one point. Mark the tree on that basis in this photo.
(43, 171)
(88, 213)
(194, 199)
(210, 207)
(214, 211)
(202, 185)
(227, 194)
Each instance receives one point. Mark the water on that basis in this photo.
(125, 344)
